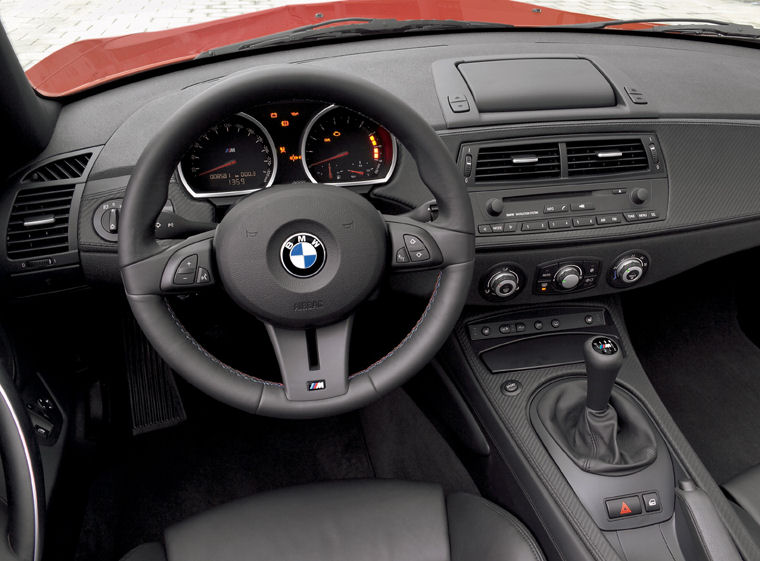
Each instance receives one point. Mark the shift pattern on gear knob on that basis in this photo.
(603, 361)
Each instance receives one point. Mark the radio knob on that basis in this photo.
(640, 196)
(629, 270)
(568, 277)
(504, 284)
(495, 207)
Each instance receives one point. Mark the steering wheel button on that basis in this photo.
(402, 256)
(421, 254)
(184, 278)
(188, 265)
(413, 244)
(203, 276)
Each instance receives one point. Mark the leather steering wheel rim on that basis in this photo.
(22, 468)
(453, 231)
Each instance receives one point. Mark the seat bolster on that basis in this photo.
(146, 552)
(378, 520)
(479, 530)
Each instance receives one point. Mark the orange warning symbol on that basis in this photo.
(625, 509)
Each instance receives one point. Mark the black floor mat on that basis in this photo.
(706, 370)
(163, 477)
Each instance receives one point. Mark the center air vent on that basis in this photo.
(605, 157)
(508, 163)
(39, 222)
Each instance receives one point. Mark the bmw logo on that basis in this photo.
(303, 255)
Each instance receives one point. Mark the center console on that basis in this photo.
(590, 452)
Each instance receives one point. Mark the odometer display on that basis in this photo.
(233, 157)
(342, 146)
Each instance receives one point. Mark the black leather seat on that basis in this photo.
(374, 520)
(744, 491)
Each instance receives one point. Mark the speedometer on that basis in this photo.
(342, 146)
(234, 157)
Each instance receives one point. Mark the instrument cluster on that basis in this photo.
(294, 142)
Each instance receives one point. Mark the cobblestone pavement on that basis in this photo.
(38, 27)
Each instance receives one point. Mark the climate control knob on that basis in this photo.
(504, 284)
(568, 277)
(629, 270)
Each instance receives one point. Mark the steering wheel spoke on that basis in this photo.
(313, 362)
(185, 267)
(416, 245)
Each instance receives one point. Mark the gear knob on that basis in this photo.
(603, 361)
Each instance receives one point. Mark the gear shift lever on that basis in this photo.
(602, 431)
(603, 361)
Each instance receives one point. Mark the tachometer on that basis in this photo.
(342, 146)
(234, 157)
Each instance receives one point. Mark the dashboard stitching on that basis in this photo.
(212, 358)
(409, 335)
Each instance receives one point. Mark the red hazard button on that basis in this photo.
(625, 506)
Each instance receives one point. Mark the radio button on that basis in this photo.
(497, 228)
(560, 224)
(631, 216)
(582, 206)
(553, 209)
(533, 226)
(510, 227)
(584, 221)
(484, 229)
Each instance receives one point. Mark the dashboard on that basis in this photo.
(630, 160)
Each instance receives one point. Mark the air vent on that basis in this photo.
(601, 157)
(510, 163)
(39, 222)
(71, 167)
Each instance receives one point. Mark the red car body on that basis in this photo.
(91, 62)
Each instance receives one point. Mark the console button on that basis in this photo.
(458, 104)
(584, 221)
(497, 228)
(555, 323)
(580, 207)
(652, 214)
(642, 215)
(484, 229)
(510, 227)
(620, 508)
(608, 219)
(505, 328)
(486, 331)
(619, 191)
(533, 226)
(560, 224)
(519, 327)
(538, 325)
(651, 502)
(591, 268)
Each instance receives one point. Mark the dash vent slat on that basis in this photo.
(602, 157)
(509, 163)
(39, 222)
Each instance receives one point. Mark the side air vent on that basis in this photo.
(602, 157)
(39, 222)
(72, 167)
(509, 163)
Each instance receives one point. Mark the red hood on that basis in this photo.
(85, 64)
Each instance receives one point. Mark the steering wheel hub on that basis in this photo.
(301, 256)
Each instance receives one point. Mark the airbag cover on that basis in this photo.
(301, 256)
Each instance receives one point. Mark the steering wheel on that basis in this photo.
(23, 514)
(345, 247)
